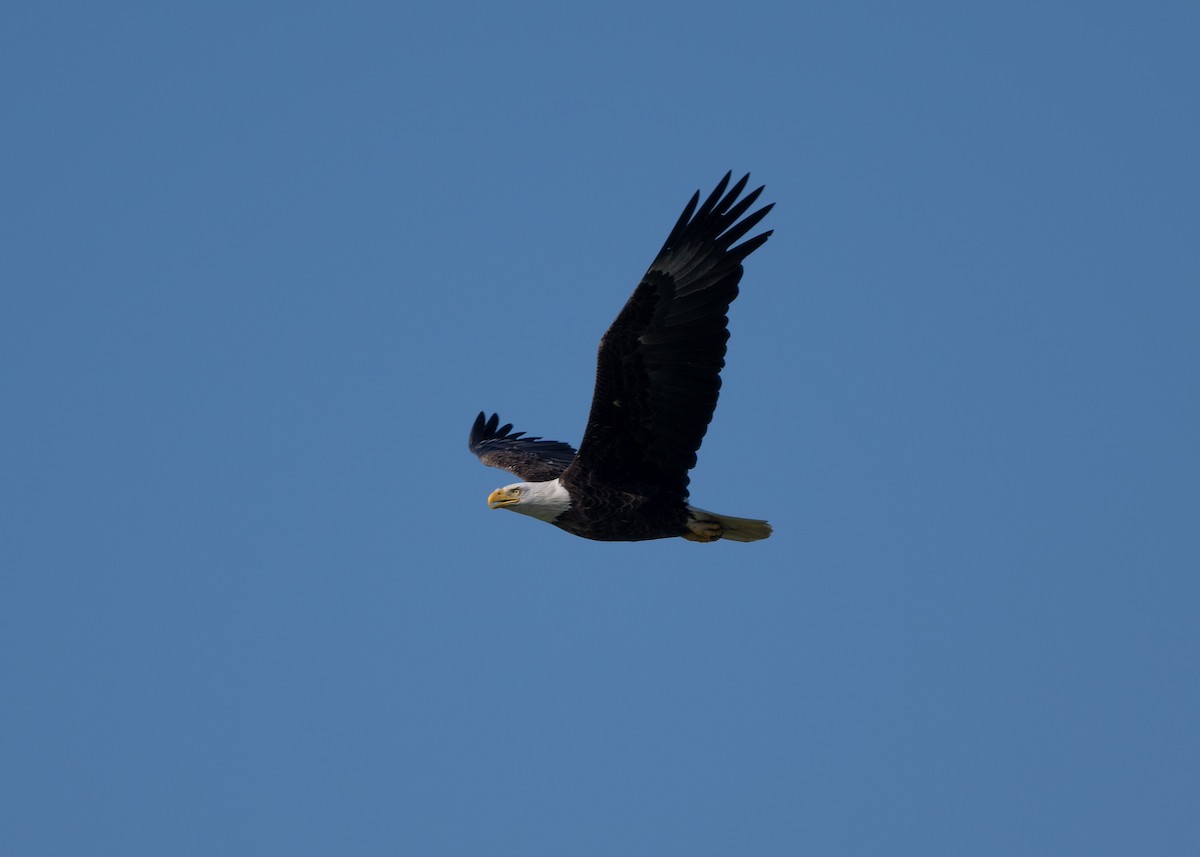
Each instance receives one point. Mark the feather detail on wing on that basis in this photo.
(658, 367)
(530, 458)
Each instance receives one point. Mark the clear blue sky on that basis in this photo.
(262, 263)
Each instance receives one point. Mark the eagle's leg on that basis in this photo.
(703, 531)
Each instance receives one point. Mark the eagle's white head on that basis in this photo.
(542, 500)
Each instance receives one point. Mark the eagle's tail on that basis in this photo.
(708, 527)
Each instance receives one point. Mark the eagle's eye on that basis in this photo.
(516, 492)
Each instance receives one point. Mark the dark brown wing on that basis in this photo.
(530, 458)
(659, 364)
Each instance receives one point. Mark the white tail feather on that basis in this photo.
(735, 529)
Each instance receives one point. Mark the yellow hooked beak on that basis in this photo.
(502, 497)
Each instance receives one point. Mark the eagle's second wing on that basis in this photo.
(659, 365)
(530, 458)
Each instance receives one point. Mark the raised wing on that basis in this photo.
(530, 458)
(658, 367)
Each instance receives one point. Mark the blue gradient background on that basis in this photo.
(262, 264)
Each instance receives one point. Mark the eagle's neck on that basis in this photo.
(544, 500)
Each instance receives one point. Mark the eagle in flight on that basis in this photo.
(658, 375)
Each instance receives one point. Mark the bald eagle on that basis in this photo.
(657, 379)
